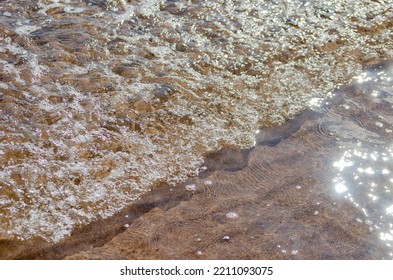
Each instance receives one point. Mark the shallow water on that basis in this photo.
(317, 187)
(101, 100)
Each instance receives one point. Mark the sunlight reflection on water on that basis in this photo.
(364, 170)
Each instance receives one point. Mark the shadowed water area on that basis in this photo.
(108, 108)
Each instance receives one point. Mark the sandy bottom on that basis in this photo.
(318, 187)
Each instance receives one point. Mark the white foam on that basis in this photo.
(26, 29)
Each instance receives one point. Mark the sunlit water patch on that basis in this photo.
(364, 171)
(100, 100)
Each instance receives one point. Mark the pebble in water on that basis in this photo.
(191, 187)
(226, 238)
(232, 215)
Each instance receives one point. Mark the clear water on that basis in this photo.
(101, 100)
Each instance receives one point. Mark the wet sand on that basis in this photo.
(295, 195)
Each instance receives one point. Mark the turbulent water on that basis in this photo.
(101, 100)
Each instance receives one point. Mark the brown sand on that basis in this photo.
(275, 201)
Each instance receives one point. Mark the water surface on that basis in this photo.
(102, 100)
